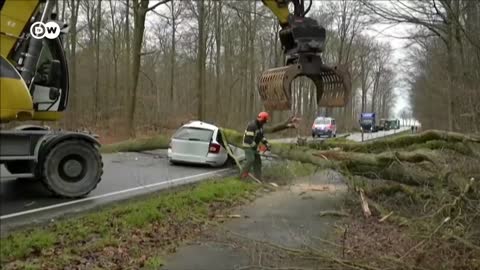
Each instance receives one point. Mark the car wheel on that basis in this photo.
(335, 135)
(229, 162)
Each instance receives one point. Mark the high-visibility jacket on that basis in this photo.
(253, 135)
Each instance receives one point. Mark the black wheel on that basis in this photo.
(229, 162)
(72, 169)
(18, 166)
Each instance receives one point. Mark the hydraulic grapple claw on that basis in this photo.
(333, 85)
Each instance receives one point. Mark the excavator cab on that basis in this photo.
(303, 41)
(38, 66)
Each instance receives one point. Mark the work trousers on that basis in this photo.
(253, 159)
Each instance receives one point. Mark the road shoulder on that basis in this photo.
(290, 218)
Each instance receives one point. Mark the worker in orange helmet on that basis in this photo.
(252, 138)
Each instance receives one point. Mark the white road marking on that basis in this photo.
(169, 182)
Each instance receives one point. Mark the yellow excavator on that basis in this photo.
(34, 87)
(303, 41)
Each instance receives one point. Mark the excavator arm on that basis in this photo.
(280, 9)
(303, 41)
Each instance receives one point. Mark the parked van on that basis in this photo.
(324, 126)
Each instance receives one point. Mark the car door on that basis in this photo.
(191, 144)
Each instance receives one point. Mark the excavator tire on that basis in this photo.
(72, 168)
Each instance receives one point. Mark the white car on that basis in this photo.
(198, 143)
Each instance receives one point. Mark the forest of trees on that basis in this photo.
(444, 62)
(151, 65)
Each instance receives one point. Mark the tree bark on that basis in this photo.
(218, 42)
(75, 6)
(116, 100)
(451, 70)
(128, 61)
(173, 54)
(201, 54)
(139, 15)
(97, 60)
(251, 56)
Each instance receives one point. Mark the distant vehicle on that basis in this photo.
(324, 126)
(198, 143)
(367, 122)
(392, 124)
(382, 125)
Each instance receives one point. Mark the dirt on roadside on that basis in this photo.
(268, 232)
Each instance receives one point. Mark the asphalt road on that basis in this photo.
(125, 175)
(355, 136)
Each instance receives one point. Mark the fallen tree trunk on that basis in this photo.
(377, 146)
(394, 166)
(421, 166)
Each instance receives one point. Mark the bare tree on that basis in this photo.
(140, 9)
(443, 20)
(145, 58)
(74, 8)
(201, 57)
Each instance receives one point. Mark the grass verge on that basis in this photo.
(128, 235)
(134, 234)
(136, 145)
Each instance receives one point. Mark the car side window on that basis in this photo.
(219, 138)
(333, 121)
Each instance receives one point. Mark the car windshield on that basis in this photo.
(322, 121)
(194, 134)
(366, 121)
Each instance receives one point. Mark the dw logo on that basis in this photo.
(50, 30)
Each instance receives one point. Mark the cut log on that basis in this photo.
(289, 123)
(365, 208)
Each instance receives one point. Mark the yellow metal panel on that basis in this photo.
(15, 100)
(47, 116)
(14, 16)
(281, 11)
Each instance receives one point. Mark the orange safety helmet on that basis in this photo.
(263, 116)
